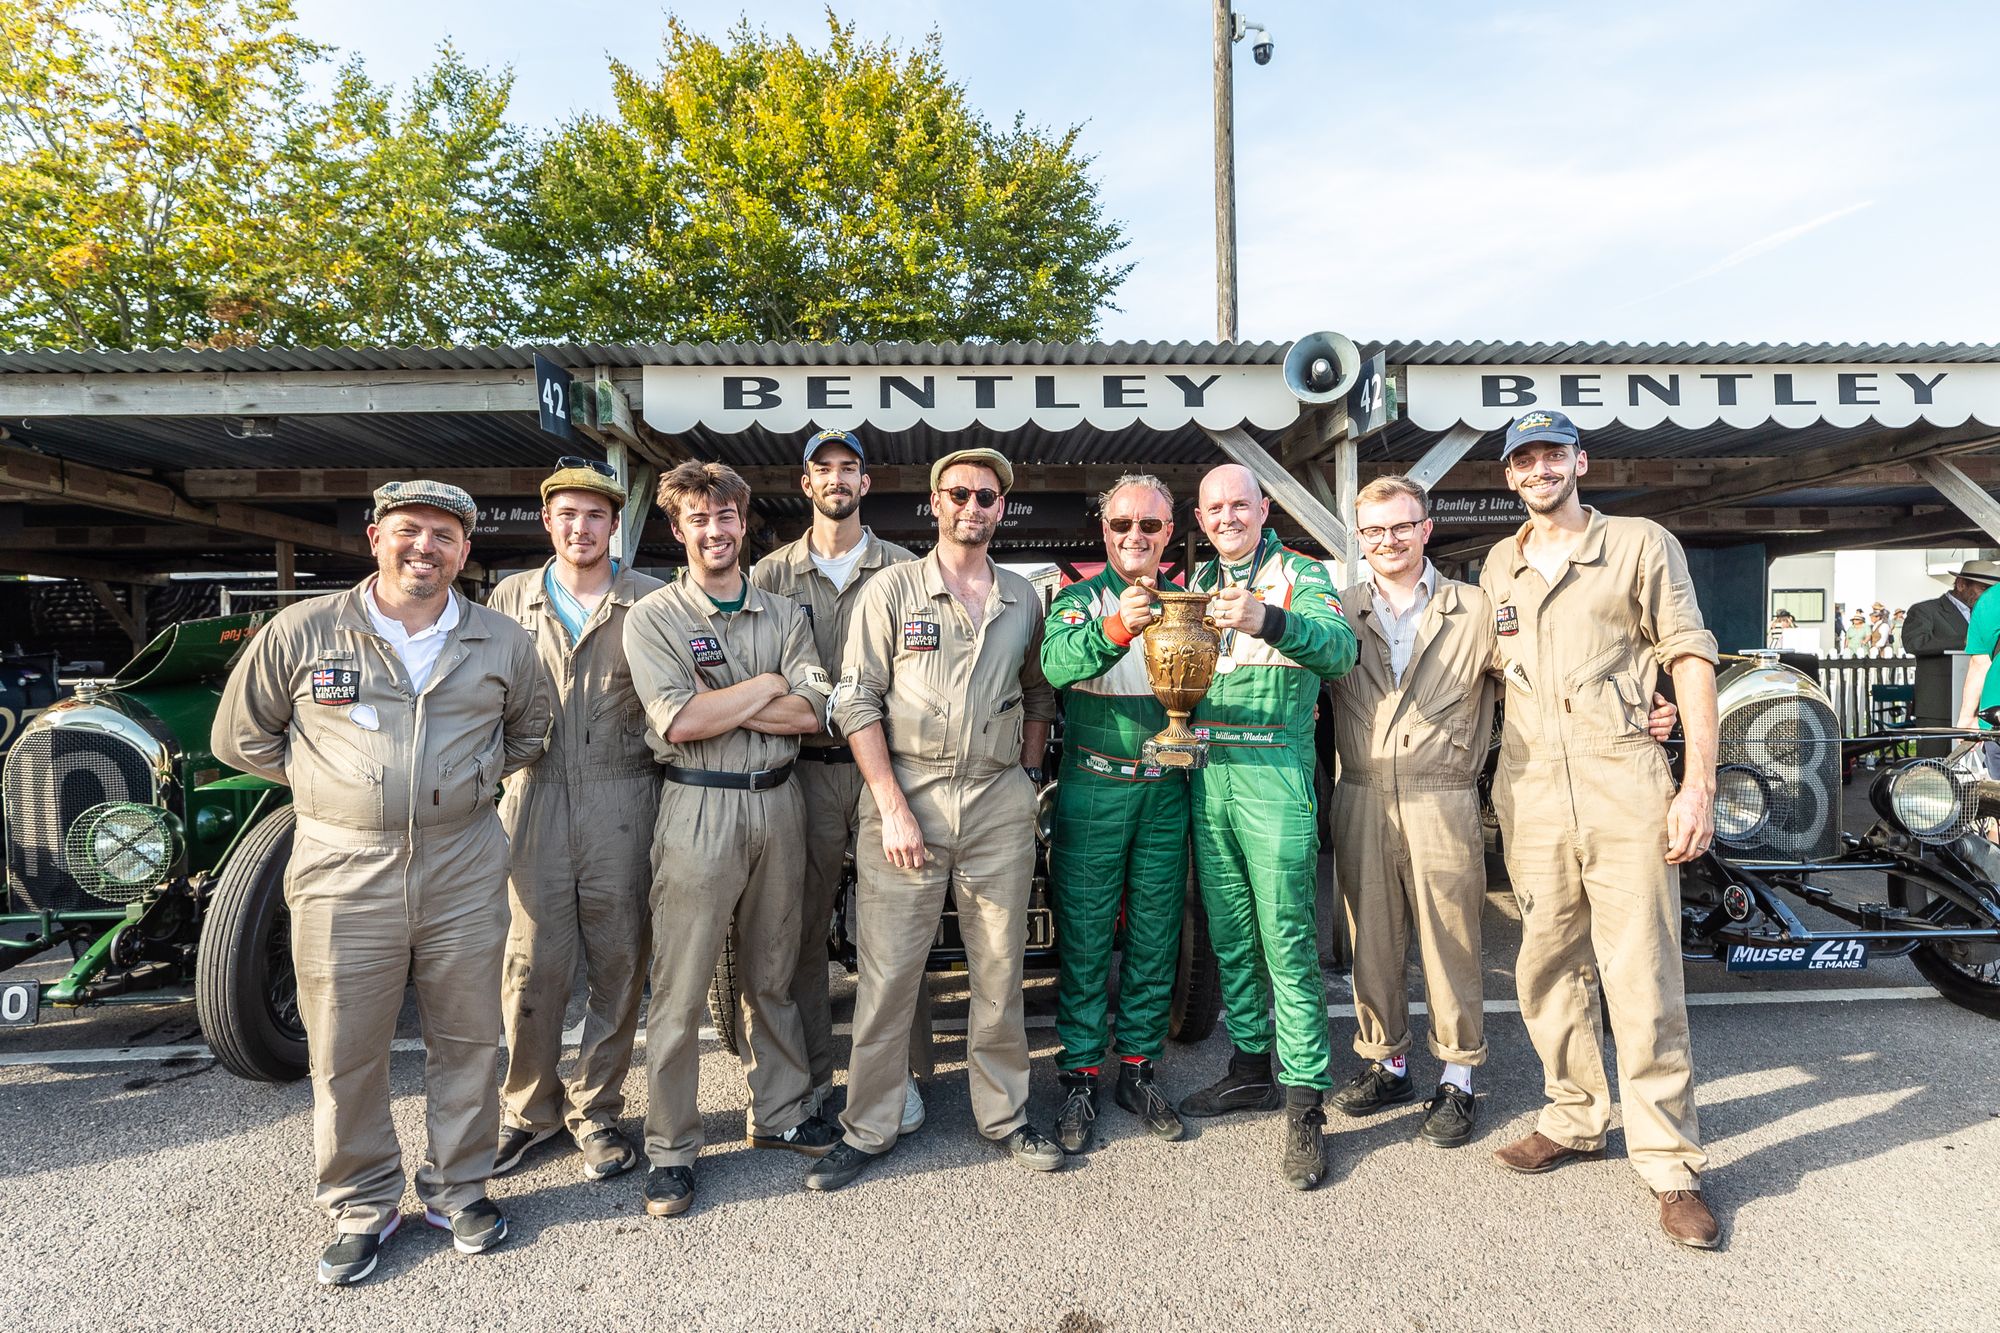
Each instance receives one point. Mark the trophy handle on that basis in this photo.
(1208, 622)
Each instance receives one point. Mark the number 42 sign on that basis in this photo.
(553, 392)
(1371, 403)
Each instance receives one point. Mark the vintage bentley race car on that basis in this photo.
(1919, 882)
(159, 870)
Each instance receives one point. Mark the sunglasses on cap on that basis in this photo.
(1121, 526)
(986, 495)
(578, 460)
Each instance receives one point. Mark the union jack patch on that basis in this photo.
(335, 685)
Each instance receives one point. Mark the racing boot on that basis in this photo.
(1305, 1145)
(1076, 1122)
(1138, 1094)
(1246, 1085)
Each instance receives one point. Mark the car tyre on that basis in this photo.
(246, 993)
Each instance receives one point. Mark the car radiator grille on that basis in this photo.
(1794, 743)
(54, 775)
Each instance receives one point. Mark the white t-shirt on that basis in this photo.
(419, 651)
(838, 568)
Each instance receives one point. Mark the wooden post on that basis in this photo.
(1225, 177)
(287, 566)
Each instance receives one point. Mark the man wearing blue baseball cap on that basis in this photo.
(1588, 611)
(824, 572)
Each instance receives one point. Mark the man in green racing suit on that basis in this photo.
(1121, 827)
(1256, 840)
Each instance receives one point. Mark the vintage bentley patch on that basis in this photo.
(335, 685)
(1506, 620)
(920, 636)
(707, 650)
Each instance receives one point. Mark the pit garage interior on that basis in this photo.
(147, 481)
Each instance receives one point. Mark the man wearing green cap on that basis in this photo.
(1256, 841)
(579, 826)
(392, 711)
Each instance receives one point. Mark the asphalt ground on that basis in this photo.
(1854, 1127)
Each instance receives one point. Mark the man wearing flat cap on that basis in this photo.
(943, 700)
(392, 711)
(579, 826)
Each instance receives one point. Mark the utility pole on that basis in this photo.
(1225, 176)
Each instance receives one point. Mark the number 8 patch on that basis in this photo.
(920, 636)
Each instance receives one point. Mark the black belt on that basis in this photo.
(827, 754)
(762, 780)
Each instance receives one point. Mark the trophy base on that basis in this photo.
(1174, 754)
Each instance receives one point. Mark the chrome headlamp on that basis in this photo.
(1742, 803)
(1045, 815)
(1930, 799)
(119, 850)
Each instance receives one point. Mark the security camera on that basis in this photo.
(1261, 45)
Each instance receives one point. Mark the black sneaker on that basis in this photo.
(1375, 1087)
(811, 1137)
(839, 1167)
(515, 1140)
(1304, 1162)
(1449, 1117)
(1077, 1119)
(607, 1153)
(1245, 1086)
(475, 1228)
(352, 1255)
(1137, 1093)
(669, 1190)
(1029, 1148)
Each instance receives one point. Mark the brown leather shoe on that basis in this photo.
(1687, 1221)
(1536, 1153)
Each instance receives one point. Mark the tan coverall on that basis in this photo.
(826, 777)
(722, 854)
(398, 872)
(579, 824)
(1406, 819)
(1582, 793)
(953, 698)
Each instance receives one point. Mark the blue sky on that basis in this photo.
(1706, 171)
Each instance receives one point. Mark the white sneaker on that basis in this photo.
(913, 1108)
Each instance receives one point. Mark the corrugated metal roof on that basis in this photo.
(629, 355)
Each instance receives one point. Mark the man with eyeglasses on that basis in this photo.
(1120, 843)
(1256, 841)
(1589, 610)
(579, 824)
(824, 572)
(943, 700)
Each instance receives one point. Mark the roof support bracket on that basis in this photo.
(1969, 496)
(1443, 456)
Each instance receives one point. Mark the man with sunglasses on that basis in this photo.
(1120, 840)
(579, 824)
(944, 702)
(824, 572)
(1256, 841)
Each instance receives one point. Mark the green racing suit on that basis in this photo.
(1256, 841)
(1121, 837)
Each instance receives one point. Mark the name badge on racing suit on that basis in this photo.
(335, 685)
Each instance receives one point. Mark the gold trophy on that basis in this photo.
(1181, 650)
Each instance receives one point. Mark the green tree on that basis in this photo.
(764, 190)
(166, 178)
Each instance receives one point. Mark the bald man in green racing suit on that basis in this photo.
(1256, 841)
(1121, 833)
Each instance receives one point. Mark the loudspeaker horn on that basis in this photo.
(1321, 367)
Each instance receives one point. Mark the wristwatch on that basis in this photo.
(1034, 775)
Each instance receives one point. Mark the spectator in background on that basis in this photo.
(1782, 622)
(1896, 633)
(1856, 639)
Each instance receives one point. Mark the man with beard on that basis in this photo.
(1588, 610)
(579, 821)
(944, 703)
(392, 711)
(1120, 844)
(1256, 842)
(824, 572)
(729, 682)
